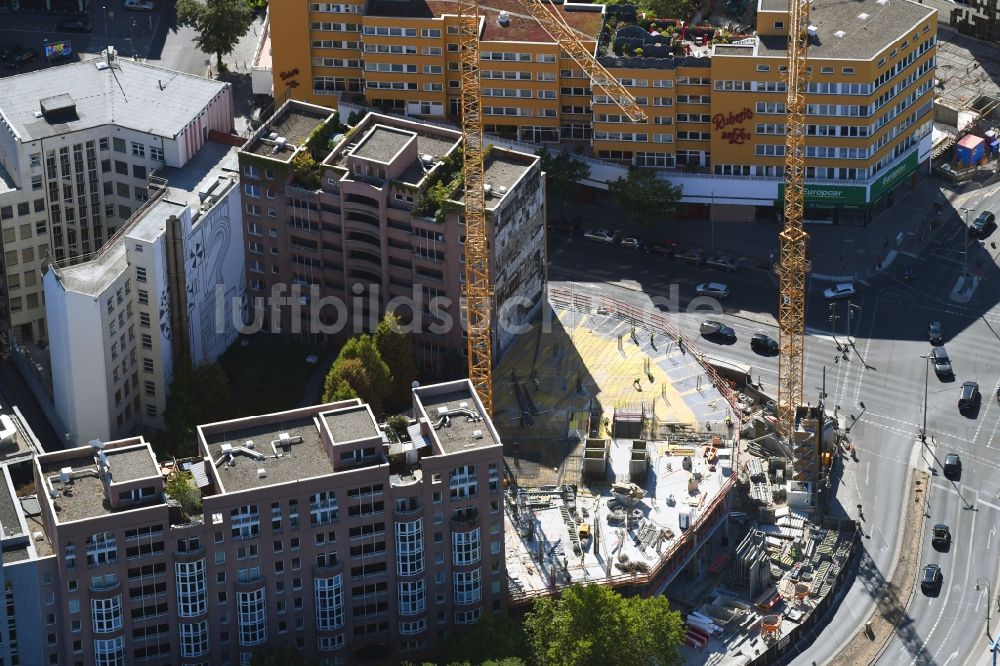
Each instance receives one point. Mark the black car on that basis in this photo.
(942, 364)
(565, 228)
(764, 344)
(983, 226)
(695, 257)
(10, 50)
(941, 537)
(952, 466)
(935, 333)
(931, 580)
(970, 397)
(662, 247)
(715, 330)
(20, 58)
(81, 24)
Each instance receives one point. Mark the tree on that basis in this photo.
(197, 395)
(180, 486)
(305, 170)
(678, 9)
(595, 626)
(282, 655)
(359, 371)
(219, 24)
(563, 173)
(646, 198)
(396, 349)
(495, 638)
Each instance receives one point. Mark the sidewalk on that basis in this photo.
(837, 253)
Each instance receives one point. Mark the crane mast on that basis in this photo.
(478, 284)
(792, 239)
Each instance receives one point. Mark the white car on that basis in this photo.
(839, 291)
(714, 289)
(140, 5)
(632, 243)
(600, 235)
(725, 263)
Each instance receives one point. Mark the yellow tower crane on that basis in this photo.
(792, 239)
(478, 285)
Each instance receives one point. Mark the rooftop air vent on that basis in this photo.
(64, 474)
(812, 30)
(226, 448)
(39, 536)
(502, 190)
(261, 473)
(248, 444)
(839, 34)
(863, 16)
(284, 436)
(504, 19)
(96, 443)
(53, 493)
(443, 410)
(463, 405)
(478, 434)
(488, 189)
(882, 2)
(273, 136)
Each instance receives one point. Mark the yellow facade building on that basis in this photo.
(715, 101)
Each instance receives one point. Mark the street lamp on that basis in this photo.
(994, 643)
(855, 419)
(833, 323)
(851, 307)
(965, 247)
(927, 366)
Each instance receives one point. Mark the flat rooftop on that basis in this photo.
(503, 169)
(351, 424)
(382, 143)
(135, 95)
(83, 497)
(460, 434)
(585, 22)
(294, 122)
(8, 510)
(130, 464)
(862, 38)
(302, 460)
(93, 277)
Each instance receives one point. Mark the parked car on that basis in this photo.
(952, 466)
(935, 333)
(713, 289)
(716, 330)
(633, 243)
(690, 256)
(984, 225)
(930, 583)
(662, 246)
(140, 5)
(601, 235)
(970, 397)
(21, 58)
(942, 364)
(941, 537)
(839, 291)
(764, 344)
(725, 263)
(81, 24)
(564, 227)
(10, 50)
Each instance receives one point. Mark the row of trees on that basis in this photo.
(646, 198)
(586, 626)
(379, 368)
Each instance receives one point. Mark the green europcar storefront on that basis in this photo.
(854, 205)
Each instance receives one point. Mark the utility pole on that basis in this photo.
(927, 365)
(833, 323)
(965, 246)
(850, 308)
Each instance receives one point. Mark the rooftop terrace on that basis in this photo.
(381, 144)
(351, 424)
(503, 169)
(286, 130)
(465, 427)
(83, 496)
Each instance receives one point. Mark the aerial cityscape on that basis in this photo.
(500, 332)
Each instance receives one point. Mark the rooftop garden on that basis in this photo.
(628, 32)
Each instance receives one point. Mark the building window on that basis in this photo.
(463, 482)
(106, 614)
(323, 508)
(252, 617)
(467, 617)
(194, 639)
(138, 150)
(140, 274)
(245, 521)
(412, 600)
(102, 548)
(410, 548)
(465, 547)
(110, 652)
(192, 596)
(329, 603)
(119, 145)
(156, 154)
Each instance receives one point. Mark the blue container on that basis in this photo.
(970, 150)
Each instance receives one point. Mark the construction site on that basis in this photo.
(631, 463)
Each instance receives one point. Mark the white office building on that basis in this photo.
(77, 145)
(161, 289)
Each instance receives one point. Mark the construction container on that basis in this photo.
(970, 150)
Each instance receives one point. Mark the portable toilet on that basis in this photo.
(992, 142)
(970, 150)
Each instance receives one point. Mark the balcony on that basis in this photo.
(409, 475)
(323, 570)
(461, 519)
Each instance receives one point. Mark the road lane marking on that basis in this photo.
(992, 506)
(965, 584)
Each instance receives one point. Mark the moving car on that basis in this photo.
(839, 291)
(633, 243)
(763, 344)
(601, 235)
(942, 364)
(713, 289)
(941, 537)
(716, 330)
(935, 333)
(984, 225)
(22, 57)
(725, 263)
(970, 397)
(140, 5)
(81, 24)
(952, 466)
(662, 246)
(690, 256)
(931, 580)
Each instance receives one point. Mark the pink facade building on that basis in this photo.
(315, 528)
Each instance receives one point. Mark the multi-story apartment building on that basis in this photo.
(165, 287)
(714, 101)
(373, 237)
(978, 18)
(77, 145)
(312, 529)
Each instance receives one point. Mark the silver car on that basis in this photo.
(713, 289)
(725, 263)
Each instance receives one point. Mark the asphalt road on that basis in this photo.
(885, 371)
